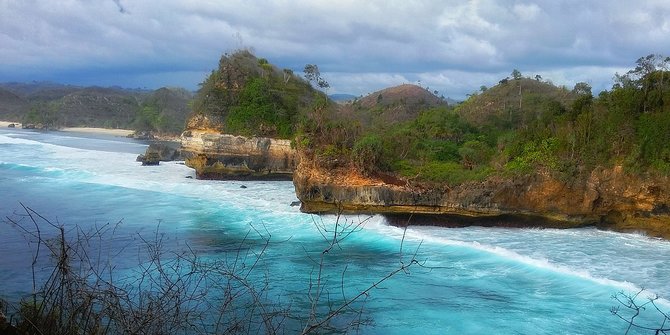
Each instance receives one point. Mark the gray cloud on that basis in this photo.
(454, 46)
(122, 10)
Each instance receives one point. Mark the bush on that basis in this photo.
(474, 153)
(367, 154)
(450, 173)
(536, 154)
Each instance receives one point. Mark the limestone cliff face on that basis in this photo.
(609, 198)
(221, 156)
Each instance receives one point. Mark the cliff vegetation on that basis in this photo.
(524, 148)
(517, 127)
(249, 96)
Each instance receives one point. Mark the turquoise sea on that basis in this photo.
(467, 281)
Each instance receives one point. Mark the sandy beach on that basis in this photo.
(115, 132)
(90, 130)
(4, 124)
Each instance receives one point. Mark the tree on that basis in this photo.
(516, 74)
(312, 74)
(367, 154)
(474, 153)
(582, 88)
(287, 75)
(538, 77)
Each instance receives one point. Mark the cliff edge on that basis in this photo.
(608, 199)
(214, 155)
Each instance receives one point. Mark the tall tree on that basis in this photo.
(582, 88)
(313, 75)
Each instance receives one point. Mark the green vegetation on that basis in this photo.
(251, 97)
(54, 106)
(517, 127)
(164, 111)
(520, 126)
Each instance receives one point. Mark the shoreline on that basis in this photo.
(5, 124)
(87, 130)
(101, 131)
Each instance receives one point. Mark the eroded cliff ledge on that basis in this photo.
(608, 199)
(214, 155)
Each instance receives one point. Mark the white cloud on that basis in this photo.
(527, 12)
(364, 45)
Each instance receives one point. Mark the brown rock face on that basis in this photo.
(220, 156)
(609, 199)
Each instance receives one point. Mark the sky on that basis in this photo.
(360, 47)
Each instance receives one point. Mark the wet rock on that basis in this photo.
(150, 158)
(227, 157)
(607, 198)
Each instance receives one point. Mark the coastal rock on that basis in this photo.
(221, 156)
(150, 158)
(141, 135)
(161, 152)
(608, 199)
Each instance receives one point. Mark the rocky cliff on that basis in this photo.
(214, 155)
(608, 198)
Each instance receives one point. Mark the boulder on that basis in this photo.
(222, 156)
(150, 158)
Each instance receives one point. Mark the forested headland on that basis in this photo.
(522, 124)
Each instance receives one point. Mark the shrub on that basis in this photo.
(367, 153)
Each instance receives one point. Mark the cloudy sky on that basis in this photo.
(360, 46)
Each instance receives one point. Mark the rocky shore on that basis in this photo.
(608, 199)
(221, 156)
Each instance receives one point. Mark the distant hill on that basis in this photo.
(452, 102)
(342, 97)
(56, 105)
(514, 102)
(393, 104)
(12, 106)
(97, 107)
(38, 87)
(172, 108)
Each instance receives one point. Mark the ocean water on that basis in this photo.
(466, 281)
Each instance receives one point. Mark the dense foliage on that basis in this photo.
(54, 106)
(163, 111)
(520, 126)
(251, 97)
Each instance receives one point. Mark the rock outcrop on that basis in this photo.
(609, 199)
(221, 156)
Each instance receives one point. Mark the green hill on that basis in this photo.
(55, 106)
(249, 96)
(520, 126)
(392, 105)
(514, 102)
(164, 110)
(12, 106)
